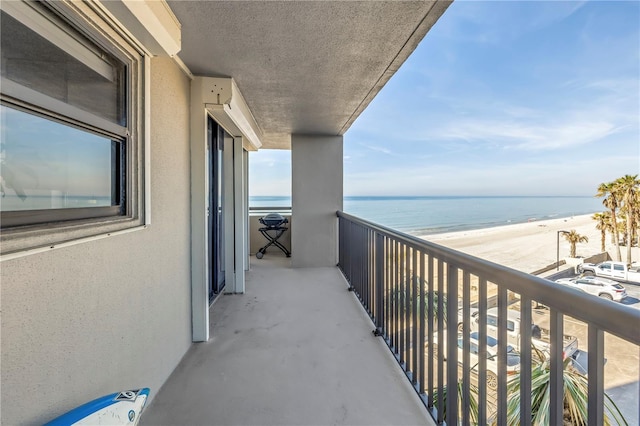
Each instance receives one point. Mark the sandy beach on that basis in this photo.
(527, 246)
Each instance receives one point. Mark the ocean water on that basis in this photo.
(434, 215)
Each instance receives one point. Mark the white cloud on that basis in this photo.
(556, 176)
(379, 149)
(529, 136)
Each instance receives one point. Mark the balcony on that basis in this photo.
(298, 348)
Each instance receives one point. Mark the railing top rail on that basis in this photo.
(269, 209)
(622, 321)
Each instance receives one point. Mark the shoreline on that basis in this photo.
(534, 223)
(471, 228)
(526, 246)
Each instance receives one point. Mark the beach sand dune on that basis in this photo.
(529, 246)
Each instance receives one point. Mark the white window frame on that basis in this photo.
(92, 21)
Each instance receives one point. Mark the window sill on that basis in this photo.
(26, 241)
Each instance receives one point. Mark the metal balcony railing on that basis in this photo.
(415, 290)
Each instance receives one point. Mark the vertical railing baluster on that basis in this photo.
(482, 351)
(379, 282)
(372, 273)
(430, 331)
(358, 263)
(466, 315)
(556, 382)
(415, 298)
(402, 311)
(362, 290)
(407, 307)
(340, 243)
(344, 237)
(596, 372)
(422, 330)
(440, 318)
(354, 257)
(396, 297)
(361, 248)
(452, 344)
(351, 254)
(387, 281)
(501, 394)
(525, 360)
(389, 294)
(366, 282)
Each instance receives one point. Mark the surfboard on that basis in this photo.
(120, 408)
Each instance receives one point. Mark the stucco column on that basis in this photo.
(316, 175)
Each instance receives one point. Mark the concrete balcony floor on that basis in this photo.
(295, 349)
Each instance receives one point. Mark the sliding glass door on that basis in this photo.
(215, 142)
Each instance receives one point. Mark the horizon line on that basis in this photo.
(448, 195)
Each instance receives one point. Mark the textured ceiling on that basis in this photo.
(307, 67)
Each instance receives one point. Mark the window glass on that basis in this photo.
(511, 326)
(491, 320)
(48, 165)
(513, 360)
(618, 267)
(91, 80)
(70, 126)
(491, 341)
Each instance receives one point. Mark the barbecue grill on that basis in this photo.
(272, 230)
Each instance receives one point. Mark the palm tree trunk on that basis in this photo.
(603, 237)
(573, 250)
(629, 238)
(616, 235)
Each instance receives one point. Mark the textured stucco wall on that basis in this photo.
(316, 195)
(86, 320)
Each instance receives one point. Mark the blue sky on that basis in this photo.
(500, 98)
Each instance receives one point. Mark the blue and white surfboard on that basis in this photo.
(121, 408)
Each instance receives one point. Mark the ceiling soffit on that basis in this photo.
(303, 67)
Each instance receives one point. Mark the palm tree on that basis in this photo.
(575, 397)
(602, 225)
(627, 188)
(574, 238)
(473, 401)
(399, 296)
(636, 218)
(609, 191)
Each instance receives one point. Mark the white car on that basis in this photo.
(601, 287)
(513, 358)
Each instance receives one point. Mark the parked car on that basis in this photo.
(617, 270)
(513, 358)
(539, 336)
(601, 287)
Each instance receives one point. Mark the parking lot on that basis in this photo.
(621, 370)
